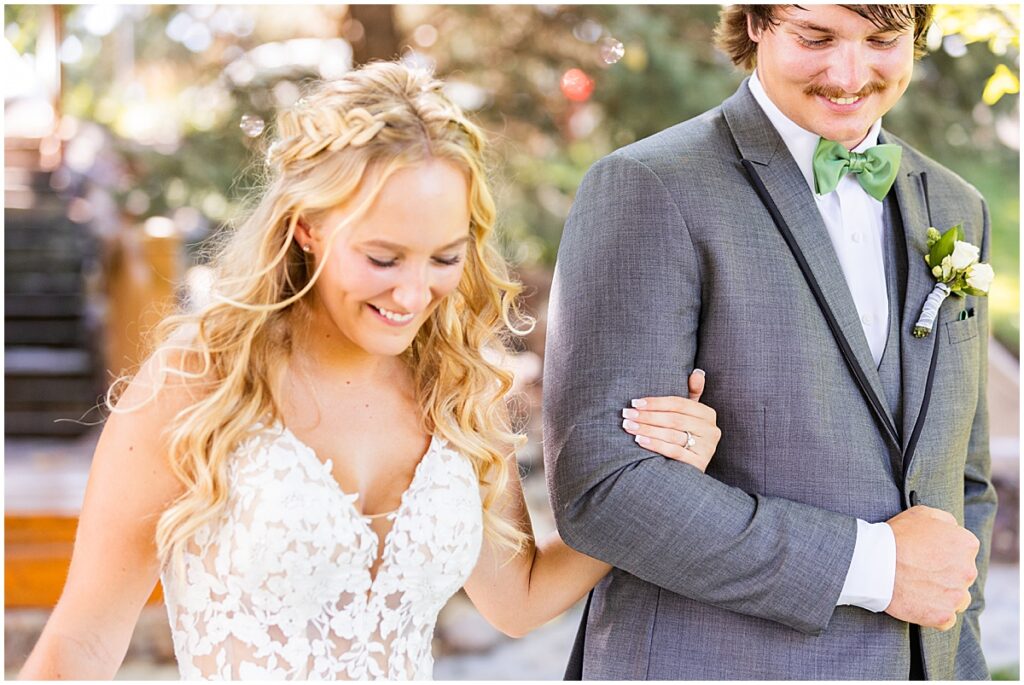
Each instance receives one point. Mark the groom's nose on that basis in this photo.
(850, 69)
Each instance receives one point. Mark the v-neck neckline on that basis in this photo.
(328, 469)
(381, 553)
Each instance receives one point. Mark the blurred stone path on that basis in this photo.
(1000, 622)
(541, 655)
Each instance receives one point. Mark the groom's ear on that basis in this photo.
(753, 35)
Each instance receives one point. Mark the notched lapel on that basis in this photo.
(916, 353)
(789, 190)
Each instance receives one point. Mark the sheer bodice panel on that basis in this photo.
(279, 585)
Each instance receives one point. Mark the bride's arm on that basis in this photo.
(114, 563)
(523, 592)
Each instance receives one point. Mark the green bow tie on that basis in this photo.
(876, 167)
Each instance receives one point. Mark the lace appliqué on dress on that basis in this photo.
(280, 587)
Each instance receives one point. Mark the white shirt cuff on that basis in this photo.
(872, 571)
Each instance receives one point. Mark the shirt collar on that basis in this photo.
(800, 141)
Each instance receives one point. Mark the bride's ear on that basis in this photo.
(303, 233)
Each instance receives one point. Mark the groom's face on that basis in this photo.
(831, 71)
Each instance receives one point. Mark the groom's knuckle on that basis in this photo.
(938, 619)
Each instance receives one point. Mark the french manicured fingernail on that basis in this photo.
(639, 404)
(700, 371)
(642, 439)
(630, 425)
(630, 413)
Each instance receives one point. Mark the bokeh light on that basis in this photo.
(612, 50)
(251, 125)
(576, 85)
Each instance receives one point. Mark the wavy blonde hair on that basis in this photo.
(380, 118)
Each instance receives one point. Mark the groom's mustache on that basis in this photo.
(831, 92)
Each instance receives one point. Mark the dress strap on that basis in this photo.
(382, 515)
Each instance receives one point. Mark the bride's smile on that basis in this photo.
(386, 270)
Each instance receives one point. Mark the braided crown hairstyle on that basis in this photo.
(384, 116)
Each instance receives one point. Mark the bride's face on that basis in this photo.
(387, 273)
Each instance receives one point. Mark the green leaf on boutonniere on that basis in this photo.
(944, 246)
(968, 290)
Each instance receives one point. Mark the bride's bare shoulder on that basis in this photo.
(145, 405)
(171, 379)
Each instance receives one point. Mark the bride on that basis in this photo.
(315, 461)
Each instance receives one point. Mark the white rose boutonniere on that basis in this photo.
(957, 271)
(979, 277)
(964, 254)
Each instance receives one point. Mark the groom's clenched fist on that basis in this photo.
(935, 567)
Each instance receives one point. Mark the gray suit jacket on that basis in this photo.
(670, 260)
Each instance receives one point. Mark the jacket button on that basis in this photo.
(913, 498)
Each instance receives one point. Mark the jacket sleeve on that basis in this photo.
(623, 322)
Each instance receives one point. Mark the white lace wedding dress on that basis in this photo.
(279, 586)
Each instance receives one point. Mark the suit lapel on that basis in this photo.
(760, 144)
(917, 354)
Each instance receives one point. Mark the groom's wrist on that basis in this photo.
(872, 573)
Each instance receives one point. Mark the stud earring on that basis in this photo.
(306, 248)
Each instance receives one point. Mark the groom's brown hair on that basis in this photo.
(731, 32)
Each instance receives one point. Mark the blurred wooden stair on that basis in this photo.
(52, 384)
(44, 484)
(51, 338)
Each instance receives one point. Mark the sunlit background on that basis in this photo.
(134, 132)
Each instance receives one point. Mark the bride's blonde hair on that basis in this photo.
(380, 118)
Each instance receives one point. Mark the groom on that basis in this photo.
(836, 533)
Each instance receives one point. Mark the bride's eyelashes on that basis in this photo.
(388, 263)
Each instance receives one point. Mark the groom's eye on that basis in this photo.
(811, 42)
(882, 42)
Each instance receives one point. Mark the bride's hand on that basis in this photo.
(663, 424)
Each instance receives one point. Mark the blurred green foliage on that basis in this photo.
(164, 81)
(1007, 673)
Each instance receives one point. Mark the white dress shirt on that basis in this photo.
(854, 223)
